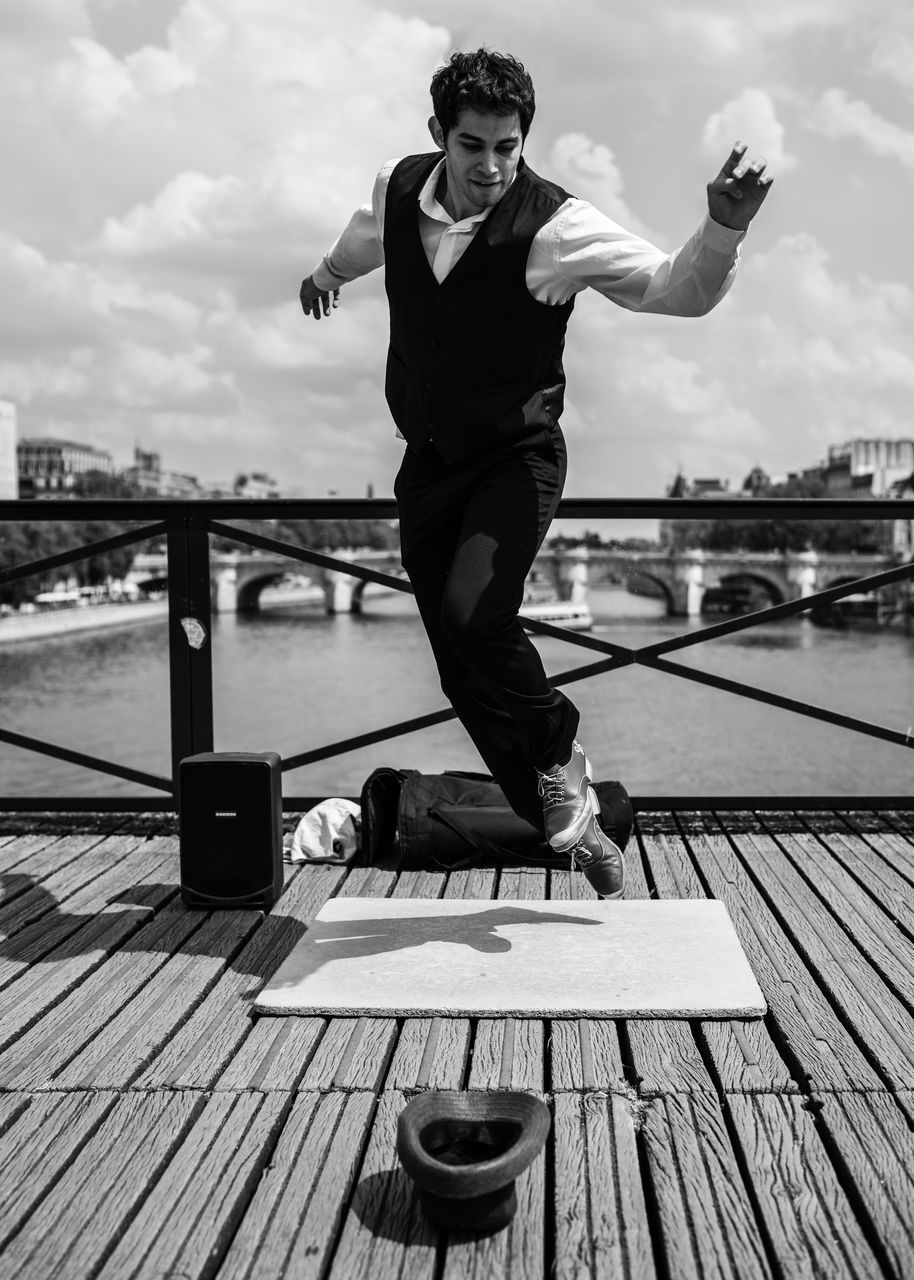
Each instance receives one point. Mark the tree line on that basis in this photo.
(24, 541)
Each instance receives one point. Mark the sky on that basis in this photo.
(171, 172)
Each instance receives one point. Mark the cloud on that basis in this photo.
(589, 170)
(173, 170)
(752, 117)
(893, 55)
(837, 116)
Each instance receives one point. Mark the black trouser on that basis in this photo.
(469, 533)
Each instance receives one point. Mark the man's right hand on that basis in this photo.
(313, 301)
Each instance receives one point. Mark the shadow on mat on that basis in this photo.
(355, 939)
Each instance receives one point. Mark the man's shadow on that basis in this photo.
(34, 927)
(331, 940)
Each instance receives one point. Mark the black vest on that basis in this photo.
(474, 362)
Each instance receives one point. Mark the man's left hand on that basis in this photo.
(736, 194)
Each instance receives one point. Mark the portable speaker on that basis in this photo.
(231, 829)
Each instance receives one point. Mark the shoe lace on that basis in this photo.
(580, 856)
(551, 787)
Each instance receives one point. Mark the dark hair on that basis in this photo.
(482, 81)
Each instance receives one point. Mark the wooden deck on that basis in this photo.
(152, 1128)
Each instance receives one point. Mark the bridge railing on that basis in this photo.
(188, 527)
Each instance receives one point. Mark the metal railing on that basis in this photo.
(188, 526)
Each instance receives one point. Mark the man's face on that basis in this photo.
(483, 151)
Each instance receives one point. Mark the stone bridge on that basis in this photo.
(237, 578)
(682, 577)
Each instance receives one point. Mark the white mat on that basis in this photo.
(421, 956)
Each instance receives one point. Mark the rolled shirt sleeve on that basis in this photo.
(581, 248)
(360, 248)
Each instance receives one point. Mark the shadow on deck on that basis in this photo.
(152, 1127)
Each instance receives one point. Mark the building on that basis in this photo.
(866, 468)
(49, 467)
(256, 485)
(152, 481)
(675, 533)
(9, 467)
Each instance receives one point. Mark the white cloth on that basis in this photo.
(578, 248)
(327, 833)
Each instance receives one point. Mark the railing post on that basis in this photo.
(189, 640)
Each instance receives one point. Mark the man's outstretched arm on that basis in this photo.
(358, 250)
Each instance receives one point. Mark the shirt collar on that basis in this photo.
(432, 208)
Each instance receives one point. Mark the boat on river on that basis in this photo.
(573, 614)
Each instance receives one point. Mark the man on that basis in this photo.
(483, 259)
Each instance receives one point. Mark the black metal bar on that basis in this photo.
(375, 736)
(779, 700)
(367, 739)
(815, 509)
(82, 552)
(189, 640)
(306, 556)
(88, 762)
(640, 803)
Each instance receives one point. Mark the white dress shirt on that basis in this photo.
(578, 247)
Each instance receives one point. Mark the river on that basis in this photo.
(292, 679)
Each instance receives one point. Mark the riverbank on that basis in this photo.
(91, 617)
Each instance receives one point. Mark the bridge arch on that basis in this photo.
(656, 580)
(249, 589)
(749, 578)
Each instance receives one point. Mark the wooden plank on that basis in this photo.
(745, 1057)
(418, 884)
(507, 1053)
(585, 1054)
(518, 1251)
(353, 1054)
(601, 1219)
(79, 1218)
(274, 1056)
(34, 1057)
(19, 848)
(806, 1026)
(811, 1225)
(368, 882)
(878, 1018)
(291, 1223)
(870, 911)
(127, 1041)
(43, 882)
(187, 1221)
(873, 1137)
(384, 1232)
(472, 882)
(56, 952)
(200, 1051)
(355, 1051)
(431, 1053)
(897, 851)
(704, 1211)
(47, 1137)
(889, 879)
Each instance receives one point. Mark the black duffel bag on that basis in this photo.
(445, 821)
